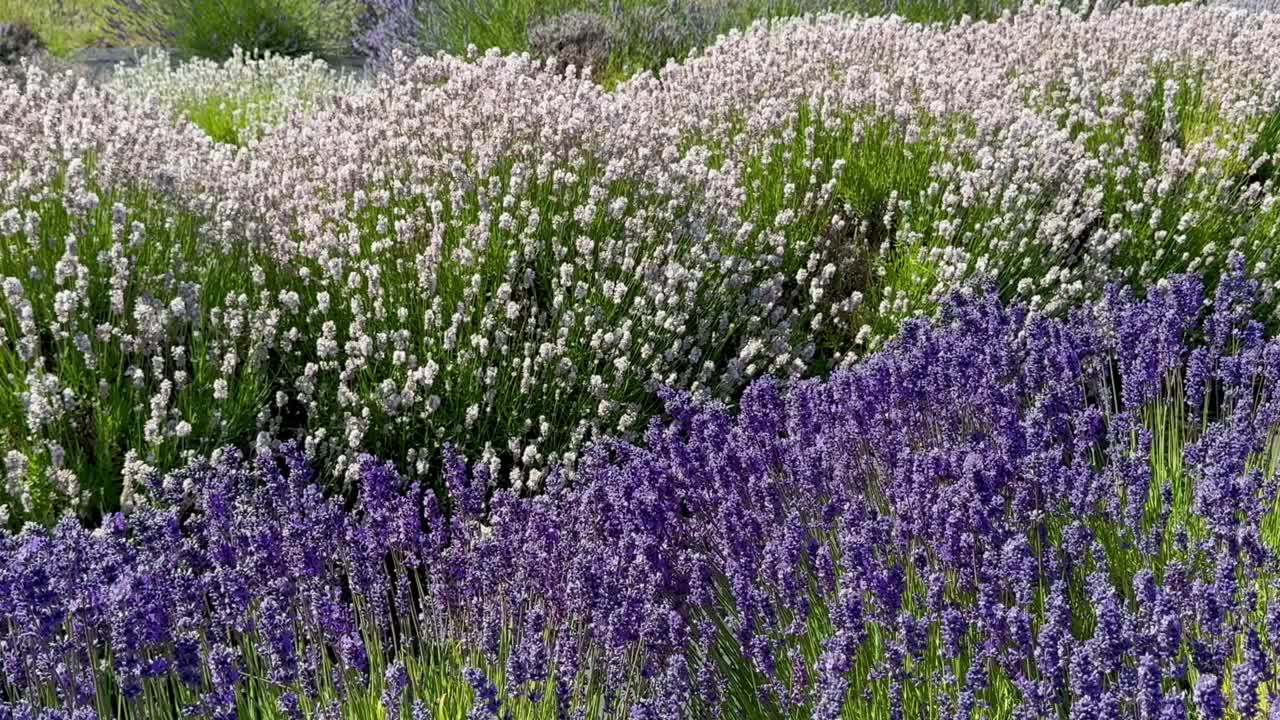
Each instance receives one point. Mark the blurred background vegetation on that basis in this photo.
(616, 37)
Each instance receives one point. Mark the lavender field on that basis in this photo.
(848, 367)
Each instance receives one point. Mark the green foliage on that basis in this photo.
(223, 122)
(109, 417)
(64, 25)
(214, 28)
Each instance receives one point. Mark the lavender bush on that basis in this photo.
(386, 26)
(1000, 515)
(582, 40)
(17, 41)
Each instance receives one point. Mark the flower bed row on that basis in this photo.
(486, 253)
(1001, 514)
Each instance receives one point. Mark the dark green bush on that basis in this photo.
(213, 28)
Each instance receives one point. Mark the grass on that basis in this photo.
(64, 25)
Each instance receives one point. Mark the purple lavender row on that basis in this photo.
(999, 515)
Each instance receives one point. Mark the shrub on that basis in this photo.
(650, 35)
(18, 41)
(214, 28)
(386, 26)
(581, 39)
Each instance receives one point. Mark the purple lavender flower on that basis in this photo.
(1208, 697)
(978, 482)
(1250, 675)
(290, 706)
(396, 680)
(485, 704)
(387, 26)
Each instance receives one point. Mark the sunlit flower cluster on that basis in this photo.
(238, 99)
(1051, 153)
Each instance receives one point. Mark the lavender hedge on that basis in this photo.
(1001, 514)
(487, 253)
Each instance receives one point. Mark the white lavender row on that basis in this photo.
(481, 251)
